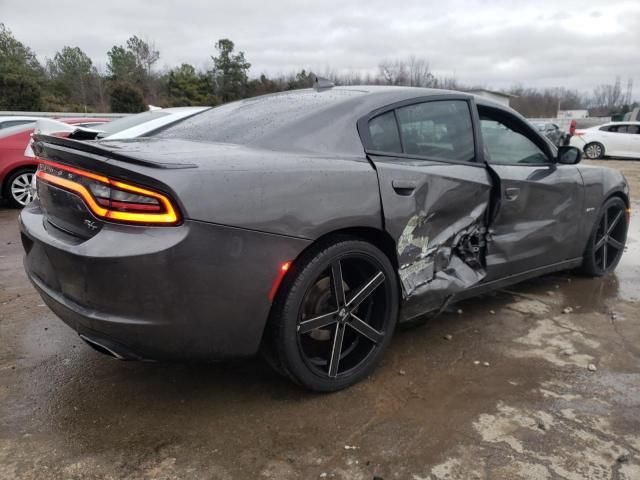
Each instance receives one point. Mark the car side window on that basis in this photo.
(438, 129)
(383, 131)
(633, 129)
(14, 123)
(616, 129)
(506, 146)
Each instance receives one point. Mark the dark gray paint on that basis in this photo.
(200, 289)
(194, 291)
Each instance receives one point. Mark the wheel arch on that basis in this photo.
(619, 194)
(379, 238)
(612, 194)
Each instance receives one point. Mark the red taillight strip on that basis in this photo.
(74, 187)
(82, 173)
(169, 217)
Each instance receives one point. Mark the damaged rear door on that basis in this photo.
(435, 195)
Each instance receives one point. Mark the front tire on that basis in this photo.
(594, 150)
(334, 316)
(607, 241)
(18, 188)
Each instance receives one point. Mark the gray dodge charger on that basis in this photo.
(305, 225)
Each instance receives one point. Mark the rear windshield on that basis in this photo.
(128, 122)
(272, 119)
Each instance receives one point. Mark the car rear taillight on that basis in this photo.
(579, 133)
(110, 199)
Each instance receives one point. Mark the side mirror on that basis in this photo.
(568, 155)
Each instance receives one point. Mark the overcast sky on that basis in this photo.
(572, 43)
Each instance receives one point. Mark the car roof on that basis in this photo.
(322, 120)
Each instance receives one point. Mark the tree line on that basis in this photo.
(71, 82)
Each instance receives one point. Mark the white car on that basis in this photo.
(14, 121)
(146, 123)
(614, 139)
(131, 126)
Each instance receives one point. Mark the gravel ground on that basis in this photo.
(511, 388)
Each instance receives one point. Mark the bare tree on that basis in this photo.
(608, 96)
(419, 73)
(393, 72)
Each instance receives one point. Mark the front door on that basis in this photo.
(538, 220)
(435, 196)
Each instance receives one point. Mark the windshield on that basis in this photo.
(129, 121)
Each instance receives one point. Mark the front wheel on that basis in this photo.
(607, 240)
(335, 315)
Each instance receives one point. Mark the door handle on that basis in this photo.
(511, 193)
(404, 187)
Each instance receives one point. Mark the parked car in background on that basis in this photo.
(614, 139)
(16, 168)
(551, 131)
(18, 163)
(9, 121)
(145, 123)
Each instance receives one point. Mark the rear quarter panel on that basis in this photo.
(290, 194)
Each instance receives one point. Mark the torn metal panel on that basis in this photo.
(452, 261)
(440, 228)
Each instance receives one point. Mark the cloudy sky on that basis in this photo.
(572, 43)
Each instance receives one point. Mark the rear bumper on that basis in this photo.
(197, 291)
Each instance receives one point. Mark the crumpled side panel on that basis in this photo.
(450, 261)
(440, 230)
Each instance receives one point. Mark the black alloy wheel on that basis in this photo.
(336, 315)
(608, 239)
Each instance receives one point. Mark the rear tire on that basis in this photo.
(17, 188)
(334, 315)
(594, 150)
(607, 241)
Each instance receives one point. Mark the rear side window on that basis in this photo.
(440, 129)
(384, 134)
(616, 128)
(633, 129)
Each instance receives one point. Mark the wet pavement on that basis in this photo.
(508, 395)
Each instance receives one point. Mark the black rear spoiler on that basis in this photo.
(41, 142)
